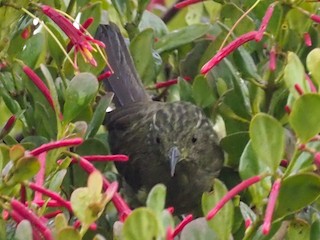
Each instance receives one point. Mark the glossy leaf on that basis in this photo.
(80, 92)
(98, 115)
(298, 229)
(68, 233)
(23, 231)
(198, 229)
(141, 48)
(156, 198)
(202, 92)
(24, 169)
(305, 116)
(268, 139)
(250, 165)
(313, 64)
(141, 225)
(180, 37)
(222, 222)
(305, 187)
(294, 73)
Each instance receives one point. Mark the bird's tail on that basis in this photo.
(124, 82)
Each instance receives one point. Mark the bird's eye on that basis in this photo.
(194, 139)
(157, 140)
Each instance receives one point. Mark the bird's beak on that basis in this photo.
(174, 156)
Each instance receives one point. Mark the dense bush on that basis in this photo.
(251, 65)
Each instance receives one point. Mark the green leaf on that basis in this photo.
(141, 224)
(294, 73)
(313, 64)
(298, 229)
(33, 50)
(268, 140)
(24, 169)
(92, 10)
(195, 13)
(202, 93)
(98, 115)
(297, 192)
(250, 165)
(141, 48)
(234, 145)
(88, 203)
(315, 230)
(222, 222)
(60, 222)
(156, 198)
(305, 116)
(3, 232)
(198, 229)
(55, 51)
(150, 20)
(245, 63)
(81, 91)
(185, 89)
(68, 233)
(24, 231)
(180, 37)
(51, 87)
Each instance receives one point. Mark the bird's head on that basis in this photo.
(182, 134)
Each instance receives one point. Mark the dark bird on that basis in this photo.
(167, 142)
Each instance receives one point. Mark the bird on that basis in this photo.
(169, 143)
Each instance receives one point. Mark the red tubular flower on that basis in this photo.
(270, 207)
(168, 83)
(8, 126)
(307, 39)
(84, 26)
(104, 75)
(82, 43)
(247, 223)
(40, 175)
(35, 221)
(182, 224)
(234, 191)
(170, 210)
(169, 234)
(25, 34)
(298, 89)
(227, 50)
(55, 196)
(39, 84)
(315, 18)
(284, 163)
(311, 85)
(52, 214)
(264, 23)
(273, 59)
(186, 3)
(316, 159)
(287, 109)
(18, 218)
(50, 203)
(104, 158)
(57, 144)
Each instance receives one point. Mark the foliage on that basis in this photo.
(251, 65)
